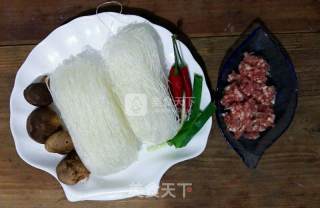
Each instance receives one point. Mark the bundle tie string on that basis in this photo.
(105, 4)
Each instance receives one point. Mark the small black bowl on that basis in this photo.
(283, 76)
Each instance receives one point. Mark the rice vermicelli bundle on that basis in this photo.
(100, 132)
(135, 61)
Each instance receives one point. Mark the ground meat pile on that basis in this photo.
(249, 99)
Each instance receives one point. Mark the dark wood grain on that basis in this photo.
(287, 175)
(25, 22)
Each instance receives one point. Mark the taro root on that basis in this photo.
(42, 123)
(59, 142)
(71, 170)
(37, 94)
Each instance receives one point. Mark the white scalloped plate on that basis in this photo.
(142, 177)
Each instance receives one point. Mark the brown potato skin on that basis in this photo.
(59, 142)
(71, 170)
(37, 94)
(42, 123)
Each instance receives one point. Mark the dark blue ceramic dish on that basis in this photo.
(283, 76)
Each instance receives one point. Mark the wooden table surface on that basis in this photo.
(287, 176)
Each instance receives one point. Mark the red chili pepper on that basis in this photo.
(176, 86)
(187, 87)
(184, 72)
(175, 81)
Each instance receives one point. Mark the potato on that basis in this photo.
(59, 142)
(38, 94)
(71, 170)
(42, 123)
